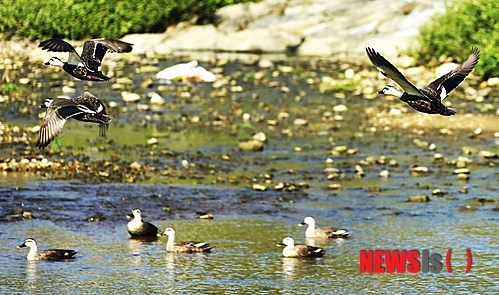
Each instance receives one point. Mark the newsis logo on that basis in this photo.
(412, 261)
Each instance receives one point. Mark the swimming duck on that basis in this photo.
(184, 247)
(429, 99)
(86, 66)
(138, 228)
(324, 232)
(293, 250)
(53, 254)
(86, 108)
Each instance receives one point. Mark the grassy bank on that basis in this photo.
(463, 25)
(79, 19)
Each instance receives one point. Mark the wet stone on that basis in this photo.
(373, 189)
(462, 171)
(384, 174)
(419, 199)
(462, 176)
(251, 146)
(259, 187)
(439, 192)
(467, 208)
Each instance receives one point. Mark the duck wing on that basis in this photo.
(197, 246)
(332, 232)
(50, 127)
(91, 102)
(309, 251)
(58, 45)
(54, 120)
(448, 82)
(390, 71)
(94, 50)
(56, 254)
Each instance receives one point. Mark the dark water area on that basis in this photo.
(328, 168)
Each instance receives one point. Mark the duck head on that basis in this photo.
(135, 213)
(307, 220)
(47, 103)
(54, 61)
(168, 232)
(27, 243)
(390, 90)
(287, 241)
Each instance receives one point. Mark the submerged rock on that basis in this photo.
(419, 199)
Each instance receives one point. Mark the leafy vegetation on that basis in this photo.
(8, 88)
(80, 19)
(464, 24)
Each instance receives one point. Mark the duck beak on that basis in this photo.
(380, 92)
(301, 224)
(279, 245)
(21, 246)
(129, 216)
(47, 64)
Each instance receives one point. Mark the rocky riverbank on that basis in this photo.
(302, 27)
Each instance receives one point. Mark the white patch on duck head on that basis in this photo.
(390, 90)
(47, 103)
(54, 61)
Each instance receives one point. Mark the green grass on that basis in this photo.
(80, 19)
(464, 24)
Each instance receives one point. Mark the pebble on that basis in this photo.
(251, 146)
(259, 187)
(157, 99)
(152, 141)
(494, 81)
(130, 96)
(349, 73)
(341, 149)
(117, 86)
(340, 108)
(384, 174)
(488, 155)
(420, 169)
(462, 176)
(68, 90)
(265, 63)
(300, 122)
(124, 80)
(439, 192)
(334, 186)
(260, 136)
(467, 208)
(462, 171)
(24, 81)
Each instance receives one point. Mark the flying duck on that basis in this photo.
(86, 66)
(293, 250)
(429, 99)
(324, 232)
(86, 108)
(140, 229)
(184, 247)
(53, 254)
